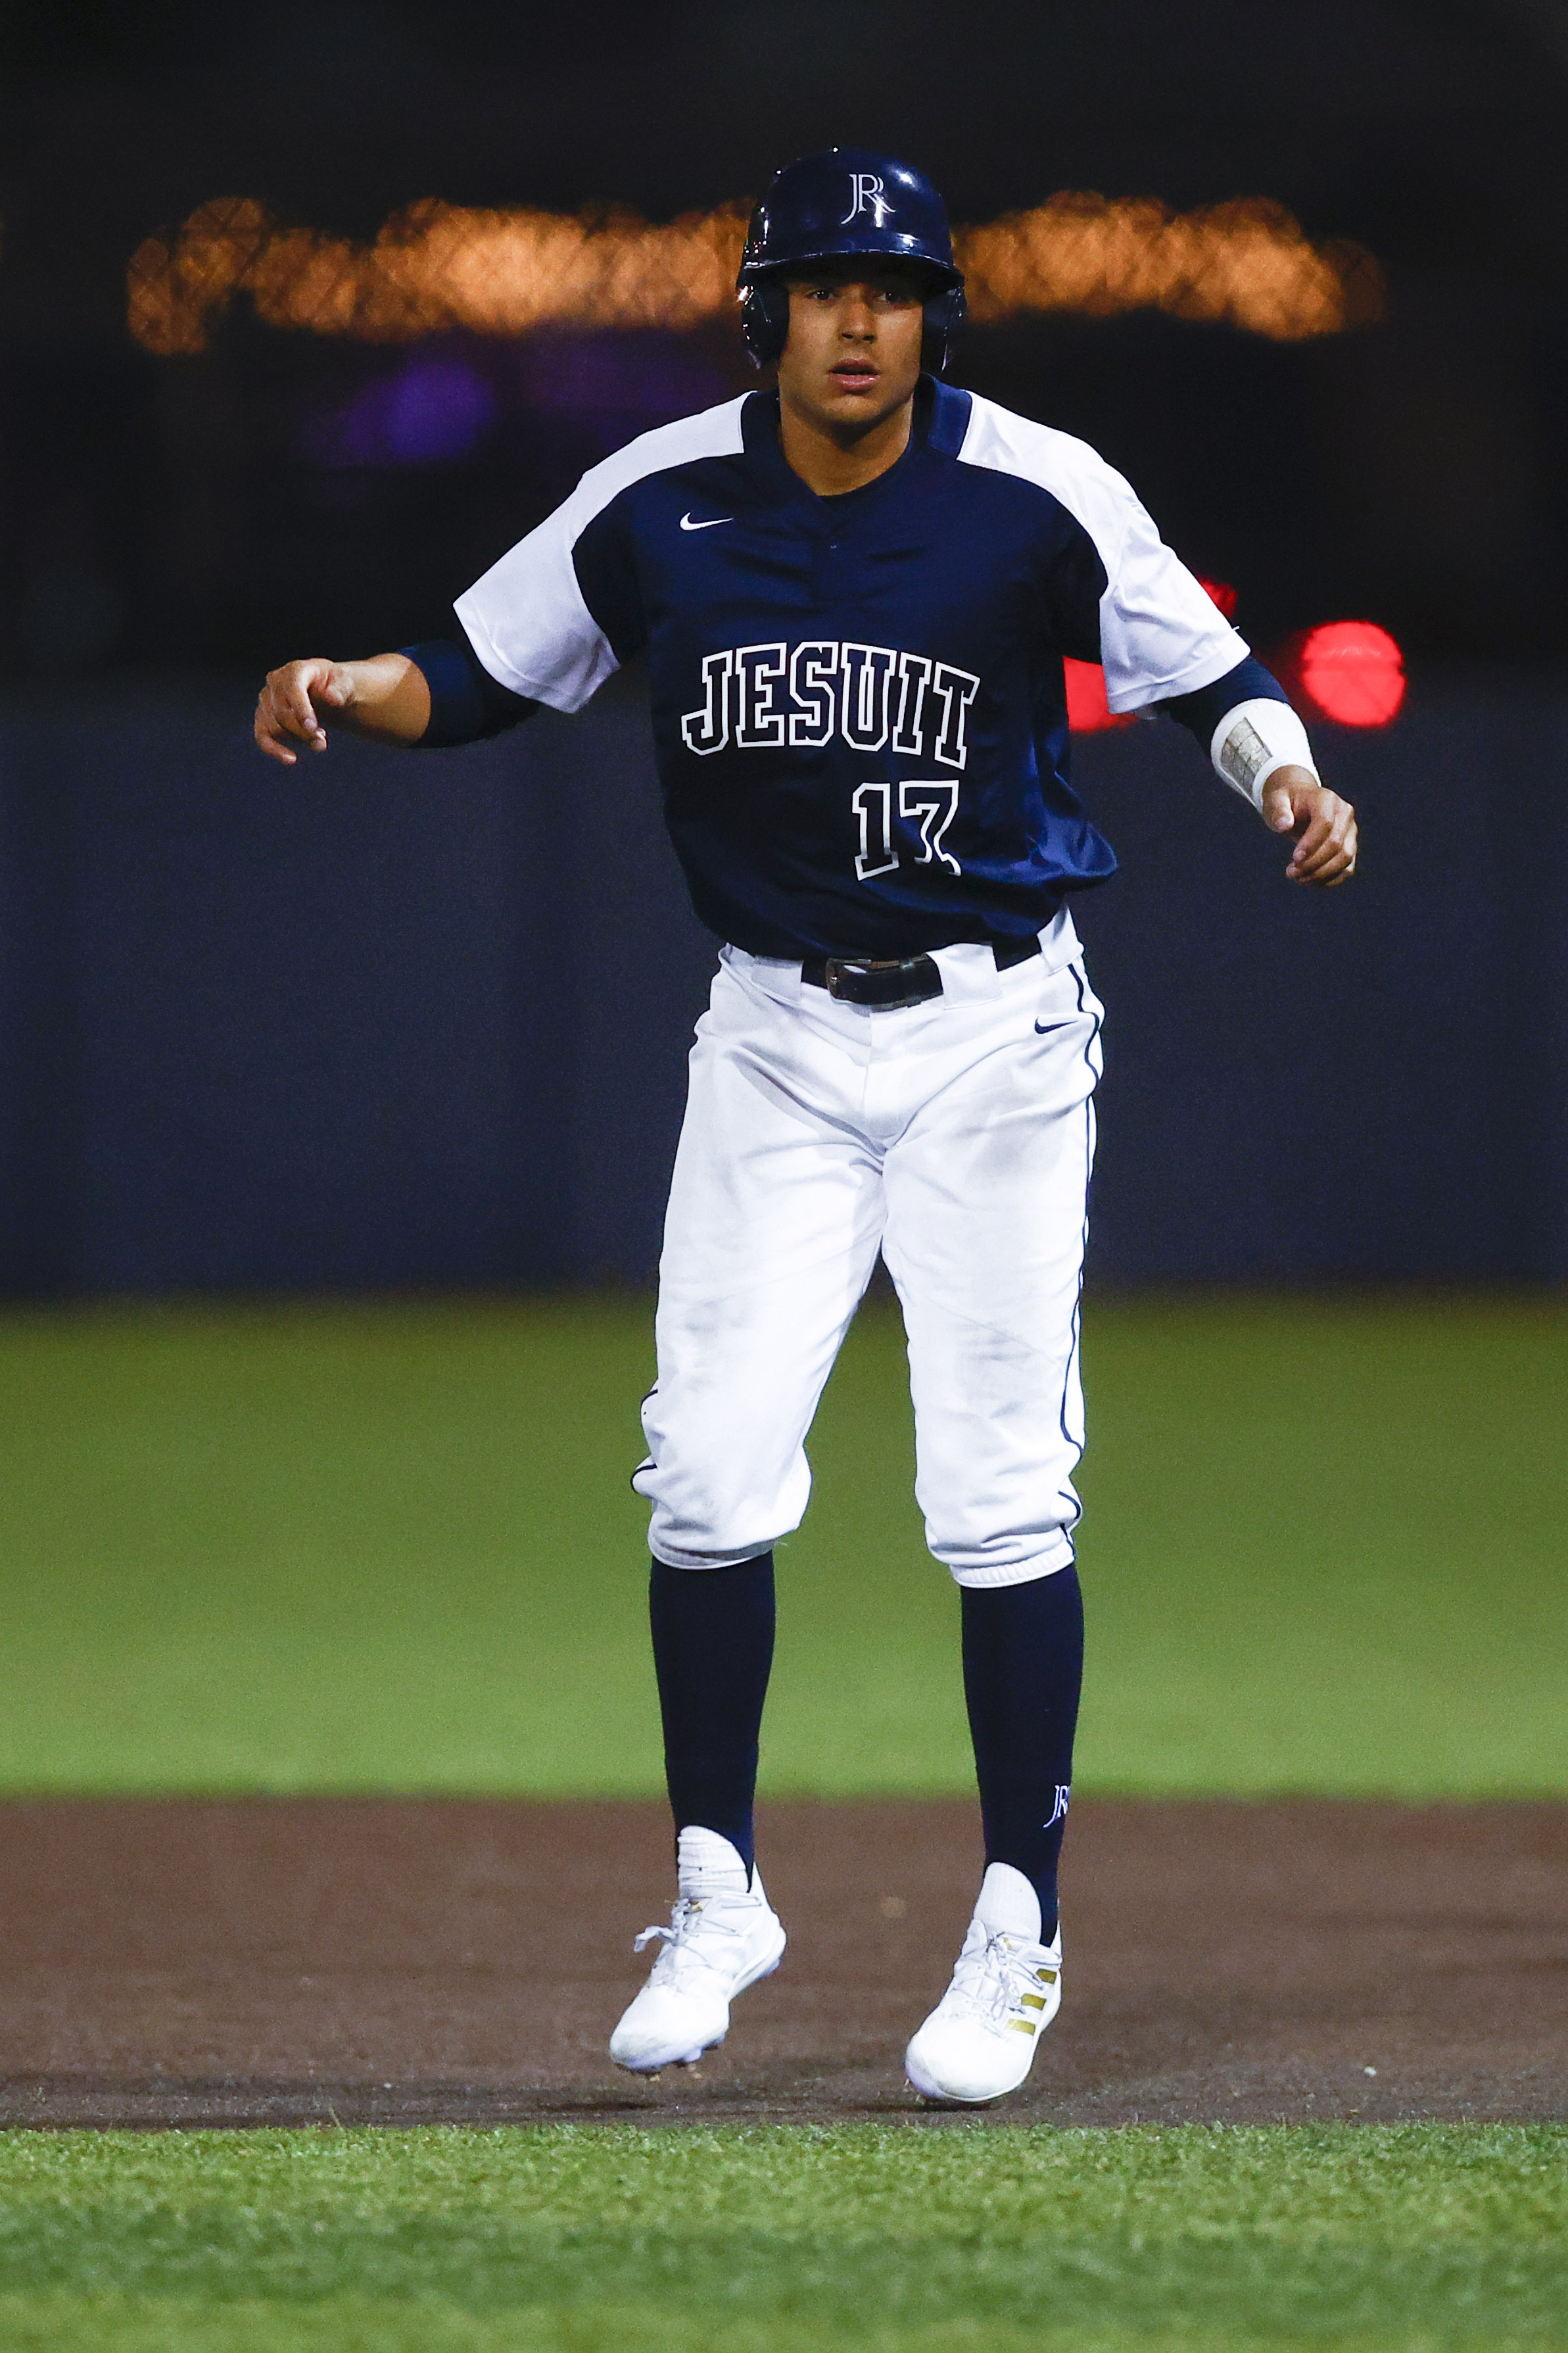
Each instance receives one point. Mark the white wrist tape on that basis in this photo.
(1255, 739)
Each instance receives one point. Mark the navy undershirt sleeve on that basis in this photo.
(466, 703)
(1203, 710)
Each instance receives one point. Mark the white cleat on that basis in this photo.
(722, 1937)
(980, 2041)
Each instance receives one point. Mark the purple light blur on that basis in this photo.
(435, 409)
(650, 377)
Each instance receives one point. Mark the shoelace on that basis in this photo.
(690, 1920)
(993, 1979)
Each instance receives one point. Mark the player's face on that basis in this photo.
(852, 355)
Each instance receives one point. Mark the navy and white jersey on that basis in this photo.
(859, 707)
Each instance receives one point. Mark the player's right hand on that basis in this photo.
(288, 708)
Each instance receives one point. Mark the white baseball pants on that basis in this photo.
(957, 1137)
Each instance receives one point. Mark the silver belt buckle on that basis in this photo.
(833, 971)
(834, 968)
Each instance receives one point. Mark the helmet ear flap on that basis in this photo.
(765, 321)
(944, 312)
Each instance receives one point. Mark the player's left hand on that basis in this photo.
(1324, 827)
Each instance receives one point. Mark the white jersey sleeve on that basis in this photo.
(528, 618)
(1160, 633)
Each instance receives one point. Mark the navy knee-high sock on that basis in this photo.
(1023, 1665)
(712, 1652)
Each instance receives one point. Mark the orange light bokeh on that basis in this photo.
(1245, 264)
(1353, 671)
(433, 267)
(437, 266)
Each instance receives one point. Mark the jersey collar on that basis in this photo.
(940, 422)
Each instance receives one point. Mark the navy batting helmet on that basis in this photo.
(849, 201)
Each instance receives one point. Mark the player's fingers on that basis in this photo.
(1314, 839)
(291, 689)
(1345, 864)
(1309, 863)
(1335, 860)
(1328, 868)
(267, 730)
(1327, 881)
(1336, 866)
(299, 715)
(1326, 837)
(1278, 813)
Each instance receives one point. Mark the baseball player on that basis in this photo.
(855, 591)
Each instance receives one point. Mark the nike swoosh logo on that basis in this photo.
(1043, 1030)
(686, 524)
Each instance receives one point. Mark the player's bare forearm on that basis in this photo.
(1324, 827)
(386, 697)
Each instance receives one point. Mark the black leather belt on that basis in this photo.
(889, 983)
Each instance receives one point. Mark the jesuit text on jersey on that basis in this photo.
(765, 698)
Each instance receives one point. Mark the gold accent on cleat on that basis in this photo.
(1047, 1977)
(1032, 2000)
(1022, 2025)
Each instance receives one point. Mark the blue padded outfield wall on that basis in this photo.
(392, 1020)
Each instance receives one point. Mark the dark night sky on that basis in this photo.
(1412, 470)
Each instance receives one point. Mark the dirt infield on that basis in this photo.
(408, 1962)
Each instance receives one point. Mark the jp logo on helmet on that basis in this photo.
(866, 196)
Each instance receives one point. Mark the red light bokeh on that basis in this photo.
(1354, 673)
(1089, 714)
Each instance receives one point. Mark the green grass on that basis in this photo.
(1206, 2238)
(392, 1547)
(306, 1547)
